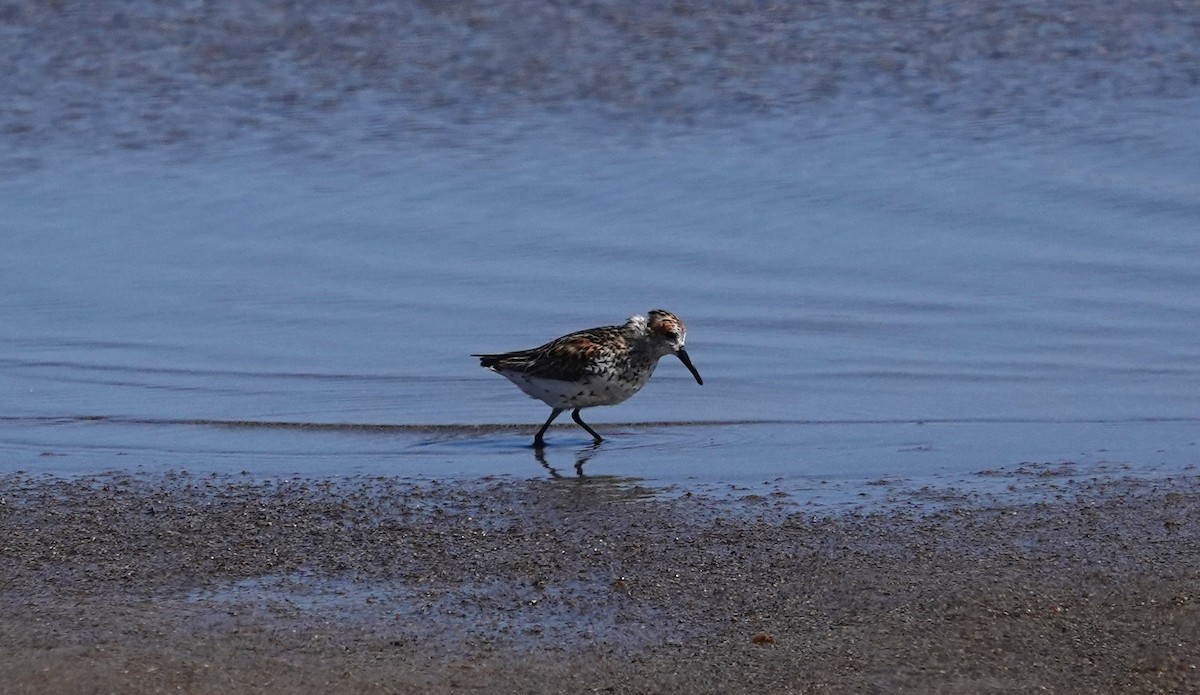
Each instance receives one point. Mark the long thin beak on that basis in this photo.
(687, 362)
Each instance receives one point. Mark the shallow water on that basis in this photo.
(922, 294)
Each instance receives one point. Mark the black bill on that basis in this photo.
(687, 362)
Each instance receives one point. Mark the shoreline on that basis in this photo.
(213, 583)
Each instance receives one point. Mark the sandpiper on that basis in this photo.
(597, 366)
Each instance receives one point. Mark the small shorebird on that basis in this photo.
(597, 366)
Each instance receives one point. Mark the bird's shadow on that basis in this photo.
(582, 456)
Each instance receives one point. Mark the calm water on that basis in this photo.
(920, 296)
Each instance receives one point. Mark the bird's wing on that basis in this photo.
(568, 358)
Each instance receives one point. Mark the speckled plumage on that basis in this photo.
(596, 366)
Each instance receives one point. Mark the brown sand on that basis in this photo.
(141, 584)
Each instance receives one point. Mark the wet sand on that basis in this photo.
(140, 584)
(314, 76)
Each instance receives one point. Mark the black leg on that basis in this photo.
(537, 438)
(581, 423)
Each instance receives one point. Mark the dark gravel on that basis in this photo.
(174, 583)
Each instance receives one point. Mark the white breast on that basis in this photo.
(576, 394)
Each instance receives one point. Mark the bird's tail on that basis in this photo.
(488, 361)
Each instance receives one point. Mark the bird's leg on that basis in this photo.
(537, 438)
(581, 423)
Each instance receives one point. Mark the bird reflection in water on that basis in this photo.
(590, 490)
(581, 457)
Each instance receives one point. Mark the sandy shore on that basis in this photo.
(151, 584)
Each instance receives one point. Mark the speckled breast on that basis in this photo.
(591, 391)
